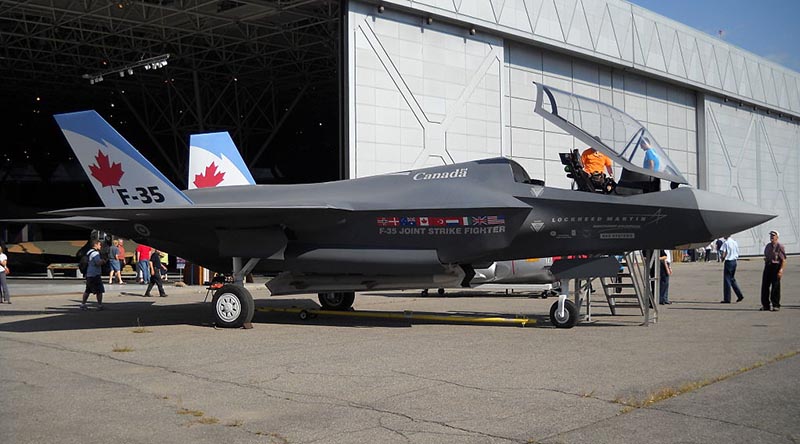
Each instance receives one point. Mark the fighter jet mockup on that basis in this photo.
(425, 228)
(215, 161)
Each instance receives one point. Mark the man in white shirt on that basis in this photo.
(730, 254)
(666, 272)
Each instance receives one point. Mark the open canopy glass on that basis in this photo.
(608, 130)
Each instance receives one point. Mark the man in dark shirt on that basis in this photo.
(774, 261)
(155, 275)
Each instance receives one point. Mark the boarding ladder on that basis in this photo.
(630, 287)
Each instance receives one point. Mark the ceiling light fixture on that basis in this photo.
(148, 64)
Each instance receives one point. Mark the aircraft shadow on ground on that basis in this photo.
(146, 313)
(328, 320)
(471, 294)
(117, 314)
(720, 307)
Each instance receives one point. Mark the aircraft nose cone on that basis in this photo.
(725, 215)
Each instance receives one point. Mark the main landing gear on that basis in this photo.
(232, 306)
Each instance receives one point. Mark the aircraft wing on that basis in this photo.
(232, 215)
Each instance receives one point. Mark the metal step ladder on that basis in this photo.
(630, 288)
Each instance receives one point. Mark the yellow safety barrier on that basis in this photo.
(305, 313)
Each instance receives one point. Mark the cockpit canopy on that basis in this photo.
(608, 130)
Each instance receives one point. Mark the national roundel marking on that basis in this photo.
(142, 230)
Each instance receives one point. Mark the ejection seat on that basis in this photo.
(631, 182)
(593, 183)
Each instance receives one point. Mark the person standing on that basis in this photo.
(113, 262)
(666, 272)
(165, 262)
(651, 160)
(121, 259)
(730, 254)
(142, 254)
(774, 261)
(94, 276)
(718, 244)
(155, 274)
(5, 296)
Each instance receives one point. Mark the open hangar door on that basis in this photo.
(159, 70)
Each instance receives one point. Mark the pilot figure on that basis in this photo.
(594, 161)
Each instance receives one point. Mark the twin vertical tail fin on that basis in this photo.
(121, 176)
(214, 161)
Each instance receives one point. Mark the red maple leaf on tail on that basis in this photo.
(210, 179)
(108, 174)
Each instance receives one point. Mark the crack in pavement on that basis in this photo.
(444, 381)
(439, 423)
(386, 427)
(708, 418)
(654, 407)
(316, 399)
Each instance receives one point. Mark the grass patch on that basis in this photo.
(139, 328)
(274, 438)
(121, 349)
(671, 392)
(205, 420)
(234, 423)
(196, 413)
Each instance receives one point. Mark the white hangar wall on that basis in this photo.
(425, 92)
(619, 33)
(420, 95)
(756, 157)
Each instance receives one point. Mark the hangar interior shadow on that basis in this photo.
(267, 72)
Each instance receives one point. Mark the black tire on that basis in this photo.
(303, 315)
(440, 291)
(424, 293)
(337, 300)
(232, 306)
(570, 318)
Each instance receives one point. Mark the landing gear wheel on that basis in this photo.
(424, 293)
(303, 315)
(232, 306)
(566, 320)
(440, 291)
(337, 300)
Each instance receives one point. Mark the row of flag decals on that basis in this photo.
(450, 221)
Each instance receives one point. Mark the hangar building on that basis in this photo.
(442, 80)
(316, 90)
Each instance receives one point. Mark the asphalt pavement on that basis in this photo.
(156, 370)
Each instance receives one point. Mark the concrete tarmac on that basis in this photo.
(155, 370)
